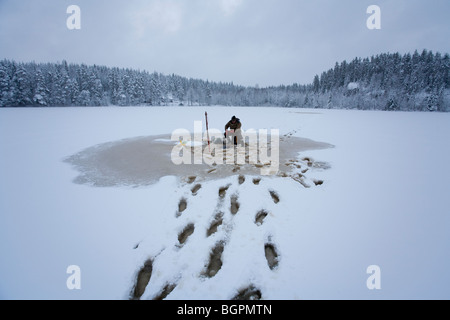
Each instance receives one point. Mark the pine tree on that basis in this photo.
(5, 82)
(41, 93)
(155, 90)
(83, 78)
(84, 98)
(65, 87)
(57, 85)
(125, 89)
(316, 84)
(392, 104)
(114, 85)
(208, 94)
(97, 93)
(179, 89)
(72, 92)
(21, 89)
(136, 90)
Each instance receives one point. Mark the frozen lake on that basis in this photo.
(369, 188)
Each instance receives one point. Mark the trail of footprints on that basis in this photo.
(220, 219)
(215, 263)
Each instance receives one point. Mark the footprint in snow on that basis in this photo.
(260, 216)
(256, 181)
(218, 220)
(274, 196)
(191, 179)
(186, 233)
(215, 260)
(271, 255)
(248, 293)
(234, 208)
(195, 189)
(223, 191)
(168, 288)
(182, 206)
(142, 280)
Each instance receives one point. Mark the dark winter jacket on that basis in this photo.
(233, 126)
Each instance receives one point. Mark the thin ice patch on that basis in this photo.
(142, 161)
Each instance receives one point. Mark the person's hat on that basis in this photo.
(234, 118)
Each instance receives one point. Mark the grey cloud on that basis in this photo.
(245, 41)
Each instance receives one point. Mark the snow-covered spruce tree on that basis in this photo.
(97, 93)
(392, 104)
(57, 87)
(136, 89)
(114, 83)
(41, 93)
(316, 84)
(72, 92)
(65, 87)
(21, 88)
(5, 82)
(208, 94)
(84, 98)
(155, 90)
(180, 90)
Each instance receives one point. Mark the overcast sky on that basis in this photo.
(264, 42)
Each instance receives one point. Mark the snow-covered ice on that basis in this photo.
(379, 196)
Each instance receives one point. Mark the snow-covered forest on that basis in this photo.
(412, 82)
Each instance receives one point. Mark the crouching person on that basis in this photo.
(233, 130)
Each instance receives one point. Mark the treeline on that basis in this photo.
(63, 84)
(414, 82)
